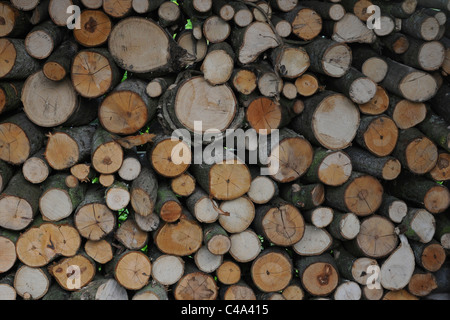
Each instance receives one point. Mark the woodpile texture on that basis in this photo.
(95, 204)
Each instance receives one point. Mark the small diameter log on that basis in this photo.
(320, 216)
(55, 292)
(8, 255)
(195, 285)
(132, 269)
(439, 103)
(181, 238)
(68, 146)
(216, 239)
(406, 114)
(117, 196)
(6, 173)
(418, 225)
(131, 236)
(127, 118)
(315, 241)
(57, 10)
(40, 12)
(416, 151)
(421, 283)
(437, 129)
(100, 251)
(329, 11)
(251, 41)
(169, 14)
(236, 215)
(358, 8)
(398, 269)
(15, 62)
(43, 39)
(148, 223)
(282, 27)
(166, 269)
(243, 16)
(167, 205)
(245, 246)
(376, 238)
(15, 23)
(144, 192)
(94, 72)
(361, 194)
(421, 191)
(58, 65)
(223, 9)
(82, 172)
(152, 291)
(307, 84)
(402, 9)
(169, 157)
(10, 93)
(92, 217)
(131, 166)
(381, 167)
(197, 48)
(229, 272)
(206, 261)
(304, 197)
(353, 268)
(393, 208)
(377, 105)
(319, 274)
(35, 169)
(401, 295)
(280, 223)
(58, 201)
(31, 283)
(369, 63)
(306, 22)
(355, 85)
(421, 26)
(396, 42)
(158, 86)
(403, 81)
(101, 289)
(329, 57)
(332, 168)
(144, 6)
(106, 153)
(215, 29)
(202, 206)
(350, 29)
(317, 122)
(272, 270)
(19, 203)
(344, 226)
(290, 61)
(283, 5)
(429, 256)
(183, 185)
(63, 271)
(106, 180)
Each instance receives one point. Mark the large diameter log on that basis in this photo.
(106, 153)
(403, 81)
(127, 118)
(16, 63)
(361, 194)
(95, 28)
(135, 51)
(19, 203)
(68, 146)
(329, 57)
(20, 139)
(58, 201)
(350, 29)
(317, 123)
(58, 65)
(144, 192)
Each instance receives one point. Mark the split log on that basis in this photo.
(245, 246)
(31, 283)
(16, 64)
(429, 256)
(59, 64)
(131, 236)
(92, 217)
(19, 203)
(315, 241)
(131, 269)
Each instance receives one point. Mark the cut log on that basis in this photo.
(131, 236)
(237, 291)
(152, 291)
(197, 48)
(144, 192)
(25, 5)
(196, 285)
(58, 65)
(166, 269)
(421, 191)
(421, 283)
(144, 6)
(280, 223)
(117, 196)
(437, 129)
(242, 14)
(329, 11)
(15, 23)
(132, 269)
(117, 9)
(100, 251)
(6, 173)
(320, 216)
(223, 9)
(92, 4)
(425, 55)
(67, 276)
(416, 151)
(15, 63)
(169, 14)
(317, 123)
(429, 256)
(393, 208)
(10, 93)
(369, 63)
(101, 289)
(350, 29)
(398, 269)
(396, 42)
(245, 246)
(131, 167)
(306, 22)
(148, 223)
(106, 180)
(282, 27)
(57, 201)
(283, 5)
(353, 268)
(167, 205)
(31, 283)
(18, 203)
(181, 238)
(58, 11)
(183, 185)
(329, 57)
(218, 63)
(82, 172)
(418, 225)
(421, 26)
(43, 39)
(272, 270)
(8, 255)
(40, 12)
(307, 84)
(229, 273)
(318, 274)
(202, 206)
(361, 194)
(236, 215)
(216, 30)
(348, 290)
(206, 261)
(262, 189)
(406, 114)
(216, 239)
(270, 83)
(401, 295)
(376, 239)
(344, 226)
(381, 167)
(402, 9)
(35, 169)
(355, 85)
(360, 8)
(315, 241)
(106, 153)
(290, 61)
(305, 197)
(170, 157)
(443, 231)
(68, 146)
(92, 217)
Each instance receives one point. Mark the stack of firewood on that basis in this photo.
(96, 204)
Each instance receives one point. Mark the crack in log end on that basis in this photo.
(324, 277)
